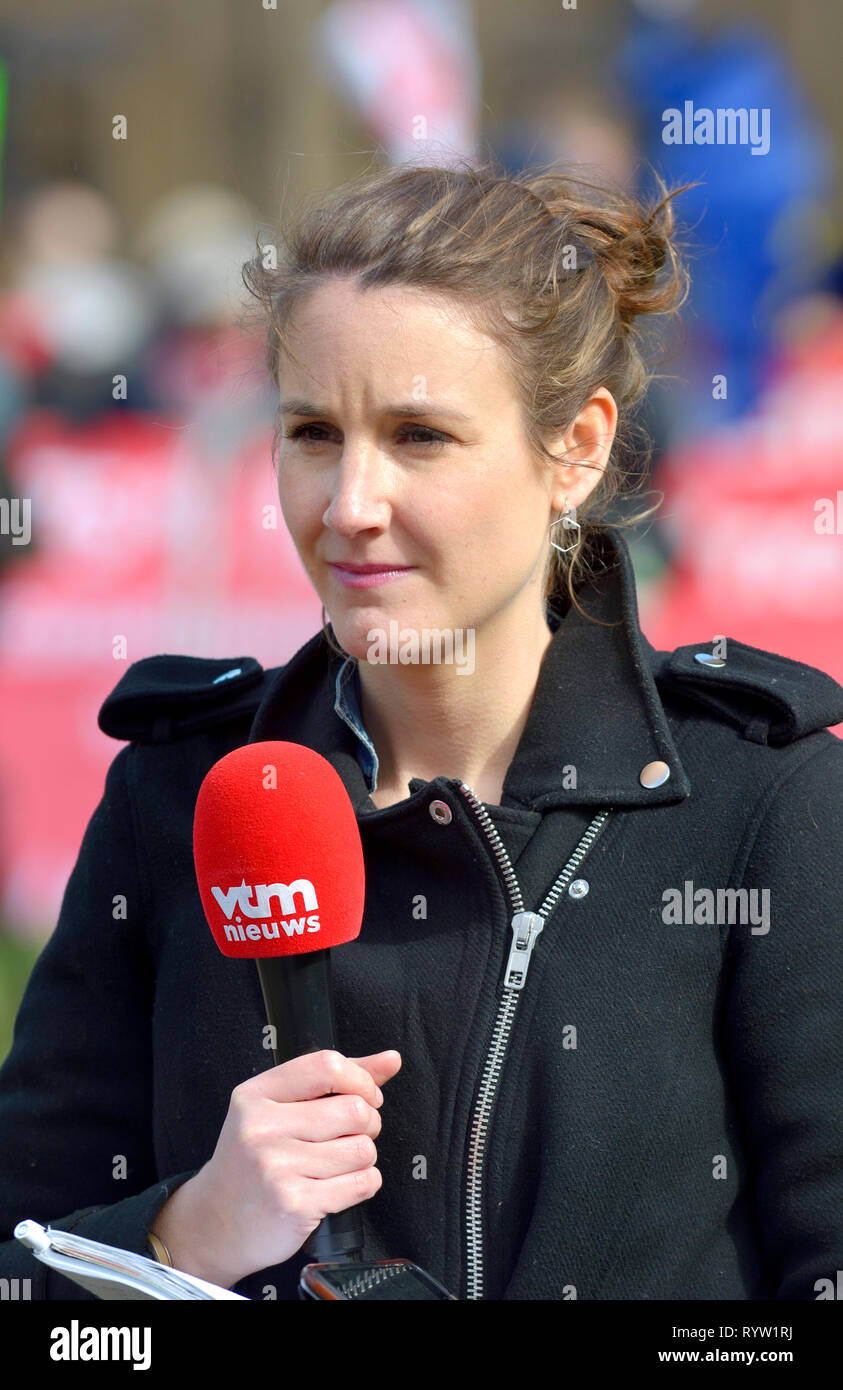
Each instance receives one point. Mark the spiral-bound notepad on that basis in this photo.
(111, 1273)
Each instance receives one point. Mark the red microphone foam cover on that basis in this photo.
(277, 851)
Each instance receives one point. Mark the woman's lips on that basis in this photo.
(366, 578)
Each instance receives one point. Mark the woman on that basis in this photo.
(598, 973)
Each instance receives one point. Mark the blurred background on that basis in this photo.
(145, 146)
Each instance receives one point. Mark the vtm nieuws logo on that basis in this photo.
(244, 901)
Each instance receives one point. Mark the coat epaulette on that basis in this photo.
(161, 698)
(772, 699)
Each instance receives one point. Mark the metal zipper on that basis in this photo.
(526, 929)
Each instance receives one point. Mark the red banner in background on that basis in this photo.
(133, 540)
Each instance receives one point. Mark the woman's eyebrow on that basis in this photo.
(410, 409)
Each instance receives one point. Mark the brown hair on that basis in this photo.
(555, 268)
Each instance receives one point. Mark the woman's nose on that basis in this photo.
(359, 498)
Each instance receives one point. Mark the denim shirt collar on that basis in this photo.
(347, 706)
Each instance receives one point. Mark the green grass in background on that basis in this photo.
(16, 961)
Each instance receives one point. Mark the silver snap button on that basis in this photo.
(441, 812)
(228, 675)
(706, 659)
(654, 774)
(578, 888)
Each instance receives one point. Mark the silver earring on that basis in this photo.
(569, 523)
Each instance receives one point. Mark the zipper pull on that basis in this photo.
(526, 927)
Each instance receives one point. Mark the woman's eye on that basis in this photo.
(432, 436)
(427, 436)
(300, 432)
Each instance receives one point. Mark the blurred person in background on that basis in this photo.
(192, 244)
(76, 311)
(762, 232)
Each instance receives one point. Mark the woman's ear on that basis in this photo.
(583, 451)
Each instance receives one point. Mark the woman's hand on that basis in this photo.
(297, 1143)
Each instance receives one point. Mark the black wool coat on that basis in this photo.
(655, 1114)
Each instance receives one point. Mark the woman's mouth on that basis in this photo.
(366, 576)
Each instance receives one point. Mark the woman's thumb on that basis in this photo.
(381, 1066)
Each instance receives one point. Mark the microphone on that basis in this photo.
(280, 869)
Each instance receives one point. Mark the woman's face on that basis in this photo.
(403, 447)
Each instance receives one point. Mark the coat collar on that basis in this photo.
(596, 720)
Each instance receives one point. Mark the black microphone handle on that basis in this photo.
(299, 1005)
